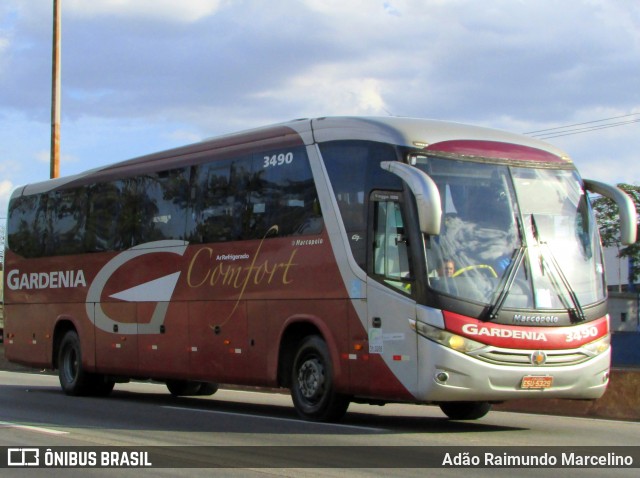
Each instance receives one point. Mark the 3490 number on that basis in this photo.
(277, 160)
(578, 335)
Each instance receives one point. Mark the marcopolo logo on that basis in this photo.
(158, 290)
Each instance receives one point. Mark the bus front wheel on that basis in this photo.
(312, 390)
(465, 410)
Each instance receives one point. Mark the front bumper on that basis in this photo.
(448, 375)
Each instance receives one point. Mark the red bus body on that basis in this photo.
(235, 310)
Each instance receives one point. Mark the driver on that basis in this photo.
(446, 268)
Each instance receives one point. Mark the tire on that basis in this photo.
(184, 388)
(101, 386)
(74, 380)
(465, 410)
(207, 388)
(312, 391)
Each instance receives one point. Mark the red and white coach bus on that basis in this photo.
(347, 259)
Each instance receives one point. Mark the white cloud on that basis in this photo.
(142, 75)
(169, 10)
(45, 157)
(325, 90)
(6, 188)
(185, 136)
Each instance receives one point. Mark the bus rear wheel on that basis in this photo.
(183, 388)
(312, 390)
(74, 380)
(465, 410)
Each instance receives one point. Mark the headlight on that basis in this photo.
(453, 341)
(598, 346)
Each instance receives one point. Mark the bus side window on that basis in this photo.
(283, 194)
(390, 251)
(112, 216)
(67, 210)
(27, 226)
(219, 201)
(354, 171)
(162, 205)
(243, 198)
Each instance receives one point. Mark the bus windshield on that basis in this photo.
(520, 237)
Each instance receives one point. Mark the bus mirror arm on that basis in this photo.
(628, 217)
(425, 191)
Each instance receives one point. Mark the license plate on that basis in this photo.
(536, 382)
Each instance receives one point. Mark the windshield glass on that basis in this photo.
(479, 233)
(507, 232)
(562, 237)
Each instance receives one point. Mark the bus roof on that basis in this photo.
(426, 134)
(429, 134)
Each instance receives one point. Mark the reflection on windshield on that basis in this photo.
(496, 220)
(561, 235)
(479, 233)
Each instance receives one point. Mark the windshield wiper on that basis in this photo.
(555, 272)
(505, 284)
(502, 291)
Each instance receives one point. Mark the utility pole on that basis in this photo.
(55, 91)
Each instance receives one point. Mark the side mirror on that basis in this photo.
(628, 215)
(425, 191)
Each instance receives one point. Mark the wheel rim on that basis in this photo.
(311, 379)
(70, 365)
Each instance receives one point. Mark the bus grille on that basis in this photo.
(523, 357)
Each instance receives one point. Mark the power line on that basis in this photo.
(569, 132)
(585, 127)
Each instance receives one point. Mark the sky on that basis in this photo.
(140, 76)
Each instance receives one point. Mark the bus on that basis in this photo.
(347, 259)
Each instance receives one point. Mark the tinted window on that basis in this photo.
(67, 221)
(112, 216)
(27, 226)
(283, 194)
(162, 200)
(354, 171)
(390, 252)
(227, 200)
(220, 203)
(244, 197)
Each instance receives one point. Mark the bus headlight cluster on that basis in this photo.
(452, 341)
(598, 346)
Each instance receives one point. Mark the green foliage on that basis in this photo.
(609, 225)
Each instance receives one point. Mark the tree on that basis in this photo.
(609, 225)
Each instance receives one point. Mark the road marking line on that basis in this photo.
(30, 428)
(292, 420)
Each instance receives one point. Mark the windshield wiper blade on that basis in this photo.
(505, 284)
(555, 272)
(502, 291)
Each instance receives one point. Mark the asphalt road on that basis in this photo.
(35, 413)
